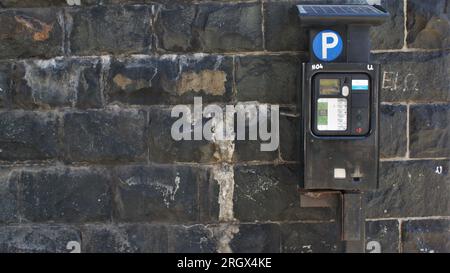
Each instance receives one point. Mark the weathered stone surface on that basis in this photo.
(428, 24)
(112, 29)
(5, 84)
(268, 79)
(430, 131)
(28, 135)
(283, 30)
(256, 238)
(31, 3)
(8, 195)
(269, 193)
(250, 150)
(209, 27)
(107, 135)
(407, 76)
(385, 233)
(37, 238)
(30, 33)
(190, 239)
(170, 79)
(162, 193)
(290, 135)
(310, 238)
(128, 238)
(57, 82)
(392, 131)
(48, 3)
(252, 147)
(164, 149)
(65, 195)
(394, 27)
(411, 188)
(426, 236)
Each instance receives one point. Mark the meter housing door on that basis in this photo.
(340, 108)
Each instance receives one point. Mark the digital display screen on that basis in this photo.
(329, 87)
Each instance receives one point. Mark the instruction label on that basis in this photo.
(332, 114)
(360, 84)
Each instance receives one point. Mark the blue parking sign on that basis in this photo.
(327, 45)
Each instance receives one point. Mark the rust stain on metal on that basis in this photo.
(210, 81)
(41, 31)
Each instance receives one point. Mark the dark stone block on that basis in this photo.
(28, 135)
(65, 195)
(256, 238)
(164, 149)
(250, 150)
(256, 146)
(59, 82)
(411, 189)
(406, 76)
(392, 131)
(112, 29)
(31, 33)
(5, 84)
(290, 136)
(162, 193)
(37, 238)
(283, 30)
(310, 238)
(110, 135)
(269, 79)
(209, 27)
(190, 239)
(391, 34)
(385, 233)
(428, 24)
(269, 193)
(9, 195)
(170, 79)
(34, 3)
(426, 236)
(430, 131)
(124, 238)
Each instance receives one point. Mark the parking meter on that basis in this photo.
(340, 104)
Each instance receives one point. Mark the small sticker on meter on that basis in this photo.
(360, 84)
(332, 114)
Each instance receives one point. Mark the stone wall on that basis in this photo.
(86, 156)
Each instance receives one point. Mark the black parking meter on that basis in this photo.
(340, 101)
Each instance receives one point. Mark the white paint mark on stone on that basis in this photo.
(306, 249)
(390, 80)
(224, 175)
(73, 2)
(168, 192)
(225, 234)
(177, 186)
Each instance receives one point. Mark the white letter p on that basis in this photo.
(326, 45)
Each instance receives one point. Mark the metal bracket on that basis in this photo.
(350, 214)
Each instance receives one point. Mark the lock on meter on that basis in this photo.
(341, 104)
